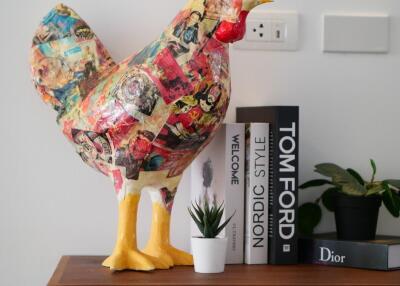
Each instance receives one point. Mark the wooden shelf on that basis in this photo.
(87, 271)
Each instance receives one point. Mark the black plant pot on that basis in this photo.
(356, 217)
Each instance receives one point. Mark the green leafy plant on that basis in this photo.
(349, 182)
(208, 218)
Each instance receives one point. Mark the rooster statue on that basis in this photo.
(143, 121)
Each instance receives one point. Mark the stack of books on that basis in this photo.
(252, 166)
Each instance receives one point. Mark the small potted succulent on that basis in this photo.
(209, 251)
(355, 201)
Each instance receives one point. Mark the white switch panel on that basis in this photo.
(271, 30)
(356, 33)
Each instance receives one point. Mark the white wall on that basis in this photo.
(51, 204)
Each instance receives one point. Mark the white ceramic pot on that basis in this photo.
(209, 254)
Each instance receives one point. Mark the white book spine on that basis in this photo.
(257, 164)
(234, 191)
(225, 156)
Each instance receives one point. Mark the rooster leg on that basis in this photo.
(159, 243)
(126, 255)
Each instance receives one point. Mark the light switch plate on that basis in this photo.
(279, 28)
(356, 33)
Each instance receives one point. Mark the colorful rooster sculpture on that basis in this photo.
(143, 121)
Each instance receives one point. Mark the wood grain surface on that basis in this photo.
(87, 270)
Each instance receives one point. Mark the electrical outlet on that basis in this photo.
(278, 31)
(271, 30)
(258, 31)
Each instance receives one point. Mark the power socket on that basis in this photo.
(278, 31)
(258, 31)
(271, 30)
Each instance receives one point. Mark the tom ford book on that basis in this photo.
(380, 254)
(283, 177)
(218, 173)
(256, 225)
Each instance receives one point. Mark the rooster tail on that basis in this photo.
(67, 59)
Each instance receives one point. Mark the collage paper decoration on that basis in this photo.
(143, 121)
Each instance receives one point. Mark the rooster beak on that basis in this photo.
(251, 4)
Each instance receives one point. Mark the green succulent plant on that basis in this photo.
(349, 182)
(208, 218)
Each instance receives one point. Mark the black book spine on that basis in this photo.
(284, 161)
(344, 253)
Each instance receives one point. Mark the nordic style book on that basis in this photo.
(256, 225)
(283, 177)
(218, 174)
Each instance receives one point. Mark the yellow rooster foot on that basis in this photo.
(161, 257)
(163, 263)
(180, 257)
(171, 255)
(129, 260)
